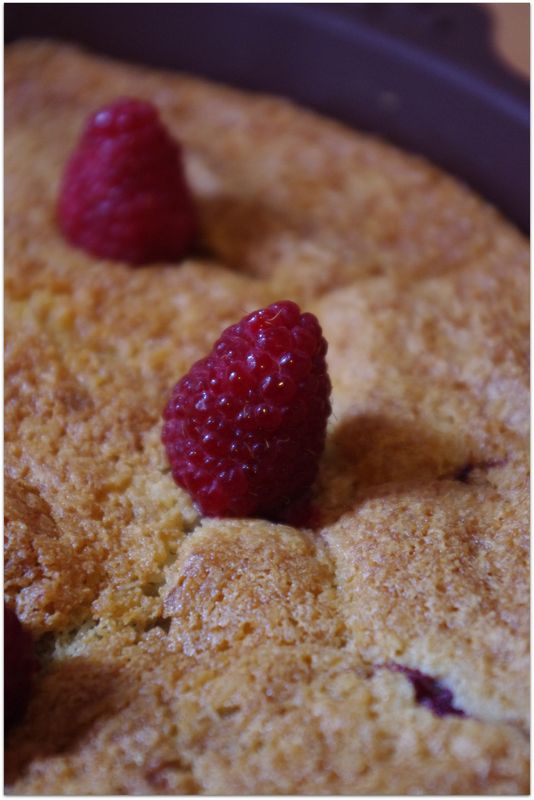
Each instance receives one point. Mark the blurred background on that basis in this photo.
(468, 31)
(511, 33)
(449, 81)
(484, 37)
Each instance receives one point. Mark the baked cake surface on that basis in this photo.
(190, 655)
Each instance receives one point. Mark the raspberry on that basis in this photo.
(245, 428)
(19, 666)
(124, 195)
(429, 692)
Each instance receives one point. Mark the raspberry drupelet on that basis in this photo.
(124, 194)
(244, 430)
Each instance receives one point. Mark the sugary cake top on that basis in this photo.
(185, 655)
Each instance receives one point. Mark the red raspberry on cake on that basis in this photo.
(245, 428)
(124, 194)
(19, 665)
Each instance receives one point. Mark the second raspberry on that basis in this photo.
(124, 194)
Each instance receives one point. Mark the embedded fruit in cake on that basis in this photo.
(429, 692)
(245, 428)
(19, 665)
(124, 194)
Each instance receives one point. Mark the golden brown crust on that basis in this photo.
(187, 656)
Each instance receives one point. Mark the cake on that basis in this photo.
(181, 654)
